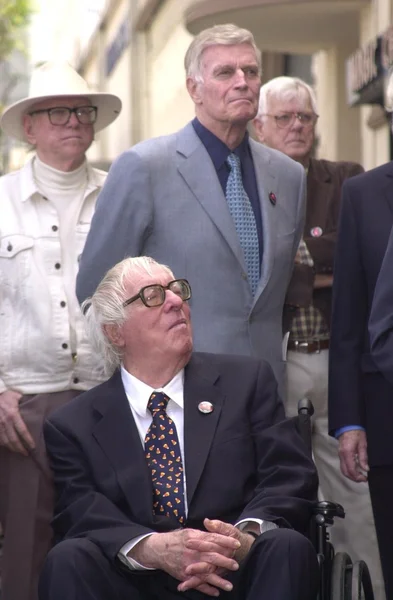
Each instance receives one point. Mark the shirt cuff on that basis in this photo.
(342, 430)
(130, 562)
(263, 525)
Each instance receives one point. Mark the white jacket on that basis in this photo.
(36, 352)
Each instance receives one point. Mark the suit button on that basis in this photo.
(244, 275)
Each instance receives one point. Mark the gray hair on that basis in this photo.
(286, 88)
(105, 307)
(225, 35)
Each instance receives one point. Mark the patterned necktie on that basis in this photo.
(244, 219)
(164, 461)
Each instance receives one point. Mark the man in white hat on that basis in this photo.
(45, 359)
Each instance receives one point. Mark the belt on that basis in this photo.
(308, 347)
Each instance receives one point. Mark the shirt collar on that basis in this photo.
(218, 151)
(29, 186)
(139, 392)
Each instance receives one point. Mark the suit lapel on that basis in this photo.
(267, 183)
(319, 190)
(117, 434)
(199, 428)
(388, 189)
(197, 169)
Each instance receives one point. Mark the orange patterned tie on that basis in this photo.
(164, 461)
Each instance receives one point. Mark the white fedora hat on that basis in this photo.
(56, 80)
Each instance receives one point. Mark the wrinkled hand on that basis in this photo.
(352, 450)
(204, 546)
(171, 552)
(12, 426)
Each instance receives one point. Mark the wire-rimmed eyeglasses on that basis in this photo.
(307, 119)
(60, 115)
(154, 295)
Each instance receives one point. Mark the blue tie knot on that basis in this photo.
(233, 161)
(157, 401)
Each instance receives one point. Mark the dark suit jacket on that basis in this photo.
(358, 392)
(242, 460)
(381, 317)
(324, 183)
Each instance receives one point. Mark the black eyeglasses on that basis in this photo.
(60, 115)
(154, 295)
(287, 119)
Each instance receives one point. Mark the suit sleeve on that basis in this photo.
(381, 316)
(287, 481)
(120, 224)
(349, 320)
(81, 511)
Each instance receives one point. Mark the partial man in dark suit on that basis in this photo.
(286, 121)
(360, 397)
(179, 477)
(213, 204)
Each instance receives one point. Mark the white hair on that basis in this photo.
(225, 35)
(105, 307)
(285, 88)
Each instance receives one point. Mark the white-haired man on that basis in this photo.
(178, 477)
(219, 208)
(286, 120)
(45, 358)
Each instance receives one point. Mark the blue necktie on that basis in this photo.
(163, 457)
(244, 219)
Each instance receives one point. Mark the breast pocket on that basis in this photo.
(15, 258)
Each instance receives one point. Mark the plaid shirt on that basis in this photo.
(308, 323)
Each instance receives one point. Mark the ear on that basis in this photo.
(194, 89)
(114, 334)
(28, 127)
(258, 127)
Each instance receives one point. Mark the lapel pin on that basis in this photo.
(205, 407)
(316, 232)
(272, 198)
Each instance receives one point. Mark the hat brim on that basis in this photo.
(108, 108)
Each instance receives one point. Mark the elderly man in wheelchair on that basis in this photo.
(180, 477)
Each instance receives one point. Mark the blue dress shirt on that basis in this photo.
(218, 153)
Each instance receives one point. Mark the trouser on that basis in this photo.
(381, 492)
(307, 376)
(26, 502)
(281, 565)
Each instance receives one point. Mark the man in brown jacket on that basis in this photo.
(286, 121)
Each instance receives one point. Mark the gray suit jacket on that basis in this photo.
(162, 198)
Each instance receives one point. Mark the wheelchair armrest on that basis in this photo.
(325, 512)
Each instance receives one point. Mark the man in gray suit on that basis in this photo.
(177, 198)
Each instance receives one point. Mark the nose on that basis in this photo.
(73, 121)
(240, 79)
(172, 301)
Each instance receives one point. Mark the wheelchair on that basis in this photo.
(340, 578)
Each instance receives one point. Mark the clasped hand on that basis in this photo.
(198, 559)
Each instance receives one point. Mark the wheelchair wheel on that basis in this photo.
(341, 577)
(362, 588)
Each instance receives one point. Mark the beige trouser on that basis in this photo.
(26, 502)
(307, 376)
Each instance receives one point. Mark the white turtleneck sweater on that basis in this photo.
(45, 219)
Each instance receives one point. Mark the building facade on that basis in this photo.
(135, 48)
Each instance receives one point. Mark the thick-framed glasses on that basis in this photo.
(60, 115)
(307, 119)
(154, 295)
